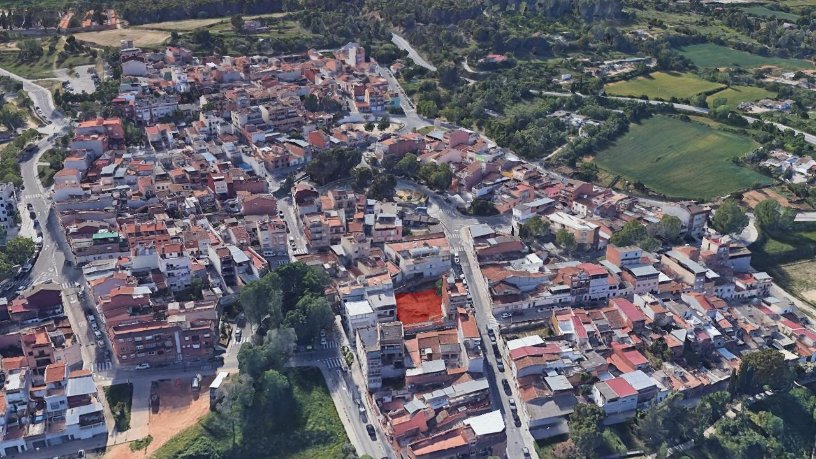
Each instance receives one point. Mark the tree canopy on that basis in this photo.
(729, 218)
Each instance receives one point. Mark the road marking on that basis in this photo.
(102, 366)
(333, 363)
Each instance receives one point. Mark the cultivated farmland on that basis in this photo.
(711, 55)
(681, 159)
(662, 85)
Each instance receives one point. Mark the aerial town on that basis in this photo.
(481, 303)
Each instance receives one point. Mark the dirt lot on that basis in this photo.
(140, 37)
(754, 197)
(178, 409)
(801, 277)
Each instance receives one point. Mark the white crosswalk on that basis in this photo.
(102, 366)
(332, 363)
(330, 345)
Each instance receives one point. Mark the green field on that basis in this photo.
(764, 12)
(662, 85)
(711, 55)
(681, 159)
(735, 95)
(315, 432)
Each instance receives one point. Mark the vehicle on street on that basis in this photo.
(516, 419)
(456, 260)
(238, 335)
(97, 334)
(371, 432)
(506, 386)
(323, 341)
(100, 343)
(322, 333)
(143, 366)
(512, 403)
(500, 366)
(526, 452)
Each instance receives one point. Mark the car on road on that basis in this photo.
(516, 419)
(456, 260)
(238, 335)
(526, 452)
(143, 366)
(100, 343)
(32, 215)
(97, 334)
(94, 326)
(512, 403)
(371, 432)
(322, 333)
(506, 315)
(506, 386)
(500, 366)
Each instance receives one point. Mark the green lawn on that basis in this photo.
(41, 68)
(681, 159)
(771, 250)
(315, 433)
(735, 95)
(711, 55)
(662, 85)
(764, 12)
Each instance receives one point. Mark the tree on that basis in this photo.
(19, 250)
(237, 22)
(729, 218)
(633, 232)
(770, 215)
(408, 165)
(383, 187)
(369, 126)
(274, 396)
(565, 240)
(481, 207)
(533, 228)
(766, 368)
(427, 108)
(333, 164)
(384, 122)
(585, 428)
(311, 314)
(767, 214)
(360, 179)
(262, 298)
(670, 227)
(273, 353)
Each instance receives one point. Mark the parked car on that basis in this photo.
(500, 366)
(143, 366)
(371, 432)
(100, 343)
(526, 452)
(506, 386)
(512, 403)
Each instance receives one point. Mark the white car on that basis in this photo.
(143, 366)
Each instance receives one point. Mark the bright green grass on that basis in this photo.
(316, 433)
(736, 95)
(662, 85)
(681, 159)
(41, 68)
(764, 12)
(711, 55)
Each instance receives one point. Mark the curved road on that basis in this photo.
(412, 53)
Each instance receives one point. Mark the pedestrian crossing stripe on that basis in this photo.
(102, 366)
(333, 363)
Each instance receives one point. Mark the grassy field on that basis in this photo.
(764, 12)
(181, 26)
(789, 258)
(662, 85)
(711, 55)
(41, 68)
(113, 38)
(735, 95)
(316, 433)
(681, 159)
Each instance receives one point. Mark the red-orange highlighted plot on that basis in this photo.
(419, 307)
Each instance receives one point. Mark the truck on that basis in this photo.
(215, 389)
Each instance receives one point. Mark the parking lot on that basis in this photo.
(82, 80)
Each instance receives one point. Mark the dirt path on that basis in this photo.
(178, 409)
